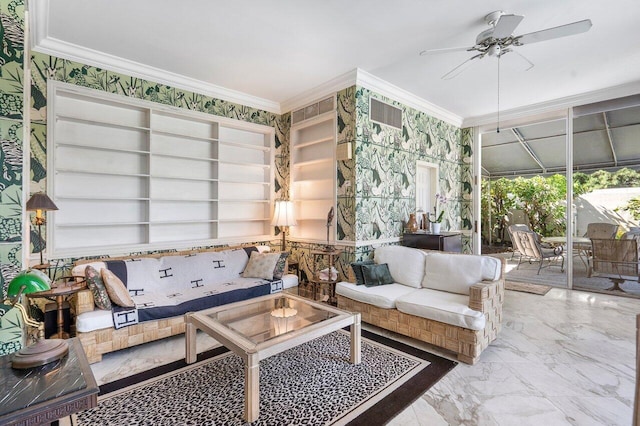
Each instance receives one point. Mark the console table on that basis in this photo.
(444, 241)
(43, 394)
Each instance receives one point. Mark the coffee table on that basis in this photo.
(258, 328)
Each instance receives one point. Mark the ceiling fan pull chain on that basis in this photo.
(498, 124)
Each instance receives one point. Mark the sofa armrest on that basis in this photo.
(82, 302)
(487, 296)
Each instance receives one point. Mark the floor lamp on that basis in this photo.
(38, 203)
(283, 217)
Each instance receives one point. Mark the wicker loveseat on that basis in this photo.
(186, 281)
(449, 300)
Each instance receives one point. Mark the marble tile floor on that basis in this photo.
(567, 358)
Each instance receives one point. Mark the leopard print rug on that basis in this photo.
(311, 384)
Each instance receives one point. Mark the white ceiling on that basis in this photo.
(277, 49)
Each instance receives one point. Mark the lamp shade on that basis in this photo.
(40, 201)
(32, 280)
(283, 214)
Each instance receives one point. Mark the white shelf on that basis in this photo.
(145, 176)
(89, 172)
(312, 162)
(185, 200)
(184, 157)
(183, 136)
(101, 148)
(153, 176)
(244, 145)
(243, 182)
(314, 142)
(94, 122)
(100, 198)
(242, 163)
(313, 176)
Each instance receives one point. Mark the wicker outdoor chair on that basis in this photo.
(616, 260)
(599, 231)
(532, 250)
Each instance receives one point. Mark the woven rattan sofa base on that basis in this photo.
(465, 343)
(99, 342)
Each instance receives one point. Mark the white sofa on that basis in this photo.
(450, 300)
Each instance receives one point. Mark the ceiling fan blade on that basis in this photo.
(528, 64)
(506, 25)
(463, 66)
(555, 32)
(446, 50)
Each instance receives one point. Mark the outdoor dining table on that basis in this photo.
(581, 246)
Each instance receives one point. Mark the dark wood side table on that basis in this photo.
(316, 281)
(444, 241)
(59, 291)
(44, 394)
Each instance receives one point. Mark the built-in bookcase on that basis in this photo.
(131, 175)
(313, 175)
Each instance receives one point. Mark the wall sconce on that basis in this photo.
(283, 217)
(38, 203)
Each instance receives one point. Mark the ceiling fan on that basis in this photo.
(499, 39)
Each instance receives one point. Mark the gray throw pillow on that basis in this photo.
(375, 275)
(357, 270)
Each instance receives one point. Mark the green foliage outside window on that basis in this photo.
(542, 200)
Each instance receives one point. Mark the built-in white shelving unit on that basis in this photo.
(129, 175)
(313, 174)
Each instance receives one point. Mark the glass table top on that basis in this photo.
(264, 320)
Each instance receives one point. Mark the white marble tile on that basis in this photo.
(566, 358)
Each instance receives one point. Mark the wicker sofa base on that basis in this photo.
(99, 342)
(465, 343)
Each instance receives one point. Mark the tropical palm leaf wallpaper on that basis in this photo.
(375, 188)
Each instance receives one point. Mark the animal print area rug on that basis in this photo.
(312, 384)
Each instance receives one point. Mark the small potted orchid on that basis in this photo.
(435, 218)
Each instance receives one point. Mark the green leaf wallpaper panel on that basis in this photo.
(385, 169)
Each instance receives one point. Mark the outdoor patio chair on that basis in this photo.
(511, 229)
(597, 230)
(616, 260)
(532, 250)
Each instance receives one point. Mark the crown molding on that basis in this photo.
(41, 42)
(391, 91)
(554, 107)
(363, 78)
(307, 97)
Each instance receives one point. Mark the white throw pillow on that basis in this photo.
(406, 264)
(455, 273)
(261, 265)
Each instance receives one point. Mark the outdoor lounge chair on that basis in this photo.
(511, 229)
(616, 260)
(531, 249)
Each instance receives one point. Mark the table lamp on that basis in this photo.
(43, 351)
(283, 217)
(38, 203)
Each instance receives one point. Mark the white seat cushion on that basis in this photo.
(289, 280)
(94, 320)
(457, 272)
(448, 308)
(382, 296)
(406, 264)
